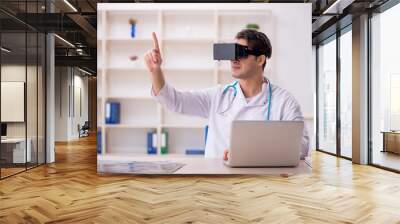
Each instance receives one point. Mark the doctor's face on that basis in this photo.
(244, 67)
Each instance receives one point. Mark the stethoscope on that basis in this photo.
(234, 87)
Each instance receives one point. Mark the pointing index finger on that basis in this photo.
(155, 42)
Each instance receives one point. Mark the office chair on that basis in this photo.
(84, 130)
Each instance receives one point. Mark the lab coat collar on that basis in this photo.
(260, 99)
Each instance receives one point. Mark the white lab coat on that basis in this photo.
(209, 103)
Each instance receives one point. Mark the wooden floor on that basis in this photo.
(70, 191)
(10, 171)
(387, 159)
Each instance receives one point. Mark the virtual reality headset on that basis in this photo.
(233, 51)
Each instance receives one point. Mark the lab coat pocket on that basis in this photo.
(223, 119)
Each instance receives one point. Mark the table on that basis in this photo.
(196, 164)
(391, 141)
(16, 153)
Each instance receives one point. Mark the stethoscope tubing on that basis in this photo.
(233, 86)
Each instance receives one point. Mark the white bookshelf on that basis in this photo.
(186, 33)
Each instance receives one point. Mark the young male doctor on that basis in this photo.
(251, 97)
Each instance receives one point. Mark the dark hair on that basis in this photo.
(256, 40)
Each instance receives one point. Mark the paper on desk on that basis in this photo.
(141, 167)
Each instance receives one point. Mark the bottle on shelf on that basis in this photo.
(133, 27)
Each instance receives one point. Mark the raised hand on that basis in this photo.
(153, 62)
(153, 58)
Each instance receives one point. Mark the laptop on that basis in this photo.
(265, 143)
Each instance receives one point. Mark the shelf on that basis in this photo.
(100, 25)
(152, 126)
(178, 155)
(231, 22)
(145, 70)
(188, 24)
(126, 68)
(129, 40)
(132, 68)
(176, 56)
(119, 53)
(131, 126)
(172, 119)
(119, 27)
(227, 40)
(189, 69)
(198, 126)
(171, 40)
(180, 139)
(190, 80)
(225, 77)
(139, 112)
(100, 91)
(225, 67)
(127, 140)
(99, 113)
(126, 83)
(243, 13)
(100, 62)
(131, 97)
(188, 40)
(120, 157)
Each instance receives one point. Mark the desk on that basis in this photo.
(391, 141)
(199, 165)
(17, 150)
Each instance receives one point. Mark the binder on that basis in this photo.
(205, 134)
(151, 142)
(194, 152)
(98, 142)
(164, 142)
(155, 142)
(113, 112)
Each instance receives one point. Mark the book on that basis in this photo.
(194, 151)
